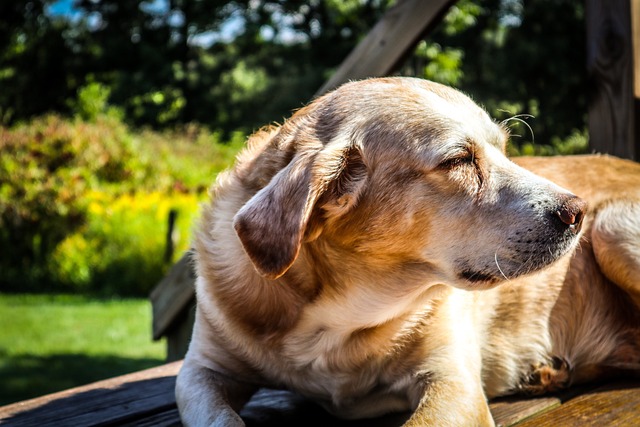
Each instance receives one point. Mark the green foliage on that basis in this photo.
(45, 169)
(92, 103)
(150, 60)
(189, 156)
(576, 143)
(442, 65)
(147, 59)
(84, 206)
(53, 342)
(120, 249)
(158, 107)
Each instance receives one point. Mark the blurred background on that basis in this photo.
(116, 116)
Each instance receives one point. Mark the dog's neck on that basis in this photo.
(372, 291)
(356, 305)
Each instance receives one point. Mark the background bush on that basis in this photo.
(120, 248)
(84, 205)
(46, 167)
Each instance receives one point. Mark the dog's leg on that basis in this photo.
(616, 244)
(207, 398)
(452, 404)
(449, 388)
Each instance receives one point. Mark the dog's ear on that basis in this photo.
(346, 181)
(273, 223)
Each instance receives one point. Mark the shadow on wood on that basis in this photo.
(146, 398)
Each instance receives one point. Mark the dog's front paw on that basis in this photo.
(452, 404)
(546, 378)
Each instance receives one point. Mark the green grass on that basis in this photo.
(53, 342)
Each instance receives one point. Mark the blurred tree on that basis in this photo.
(518, 58)
(240, 64)
(281, 55)
(35, 61)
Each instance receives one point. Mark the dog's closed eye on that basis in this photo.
(462, 159)
(463, 155)
(465, 167)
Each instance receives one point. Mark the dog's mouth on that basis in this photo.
(520, 258)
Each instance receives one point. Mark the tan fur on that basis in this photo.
(378, 252)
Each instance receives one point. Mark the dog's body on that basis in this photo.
(378, 253)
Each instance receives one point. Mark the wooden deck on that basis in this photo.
(146, 398)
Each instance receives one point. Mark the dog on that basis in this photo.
(378, 252)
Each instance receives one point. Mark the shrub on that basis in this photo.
(84, 205)
(45, 169)
(120, 248)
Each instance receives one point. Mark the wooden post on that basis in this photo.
(389, 42)
(172, 236)
(613, 67)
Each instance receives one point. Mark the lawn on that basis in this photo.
(53, 342)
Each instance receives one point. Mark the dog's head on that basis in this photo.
(403, 171)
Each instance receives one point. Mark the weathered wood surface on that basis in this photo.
(614, 119)
(115, 401)
(146, 398)
(389, 42)
(616, 404)
(179, 332)
(172, 295)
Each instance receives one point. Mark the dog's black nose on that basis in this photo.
(571, 212)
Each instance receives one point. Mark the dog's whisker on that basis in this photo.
(498, 265)
(519, 118)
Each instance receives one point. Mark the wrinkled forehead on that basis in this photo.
(458, 123)
(424, 118)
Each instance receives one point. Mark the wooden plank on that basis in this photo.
(110, 402)
(146, 398)
(169, 418)
(510, 411)
(271, 408)
(179, 333)
(384, 47)
(280, 408)
(616, 404)
(610, 65)
(172, 295)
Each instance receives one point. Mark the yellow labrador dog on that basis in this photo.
(378, 252)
